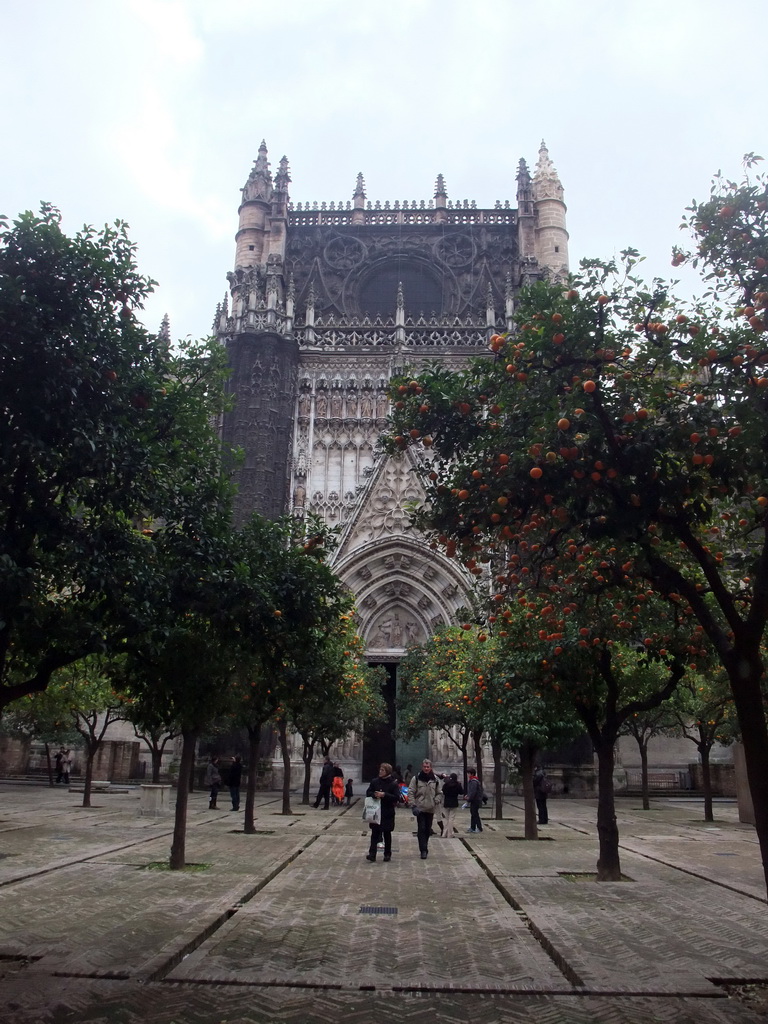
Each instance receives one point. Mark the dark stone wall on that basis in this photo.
(263, 383)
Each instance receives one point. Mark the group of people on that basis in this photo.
(213, 781)
(332, 787)
(428, 794)
(63, 761)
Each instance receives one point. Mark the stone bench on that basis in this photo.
(100, 786)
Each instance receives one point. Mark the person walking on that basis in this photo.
(326, 778)
(541, 789)
(58, 759)
(235, 777)
(451, 792)
(474, 798)
(66, 764)
(349, 792)
(386, 790)
(213, 780)
(424, 798)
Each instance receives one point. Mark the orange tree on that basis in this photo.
(102, 427)
(617, 415)
(704, 713)
(436, 680)
(609, 648)
(43, 716)
(237, 602)
(643, 726)
(334, 692)
(470, 680)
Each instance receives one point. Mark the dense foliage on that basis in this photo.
(622, 429)
(103, 431)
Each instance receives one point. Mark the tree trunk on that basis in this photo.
(307, 753)
(90, 753)
(644, 774)
(51, 783)
(157, 758)
(706, 781)
(465, 759)
(178, 846)
(283, 734)
(477, 735)
(497, 794)
(745, 678)
(527, 757)
(608, 864)
(254, 734)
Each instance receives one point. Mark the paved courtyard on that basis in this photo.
(294, 925)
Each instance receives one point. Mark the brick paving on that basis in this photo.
(490, 928)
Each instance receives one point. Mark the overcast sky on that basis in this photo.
(152, 111)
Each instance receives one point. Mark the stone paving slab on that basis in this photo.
(449, 925)
(488, 929)
(86, 1001)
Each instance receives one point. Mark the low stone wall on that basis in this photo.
(722, 776)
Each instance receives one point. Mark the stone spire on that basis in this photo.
(358, 201)
(524, 190)
(259, 184)
(164, 334)
(546, 183)
(441, 201)
(283, 177)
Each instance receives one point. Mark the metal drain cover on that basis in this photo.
(378, 910)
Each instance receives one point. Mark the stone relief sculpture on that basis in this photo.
(412, 632)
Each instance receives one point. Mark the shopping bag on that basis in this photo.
(372, 810)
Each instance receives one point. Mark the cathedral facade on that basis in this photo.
(327, 301)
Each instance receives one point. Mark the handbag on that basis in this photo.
(372, 810)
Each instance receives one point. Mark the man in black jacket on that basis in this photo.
(326, 778)
(235, 776)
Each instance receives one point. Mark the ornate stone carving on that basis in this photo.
(343, 252)
(384, 508)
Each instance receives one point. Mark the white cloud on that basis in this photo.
(153, 110)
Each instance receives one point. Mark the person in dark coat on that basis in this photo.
(541, 788)
(59, 759)
(213, 780)
(235, 777)
(451, 792)
(326, 779)
(474, 797)
(386, 790)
